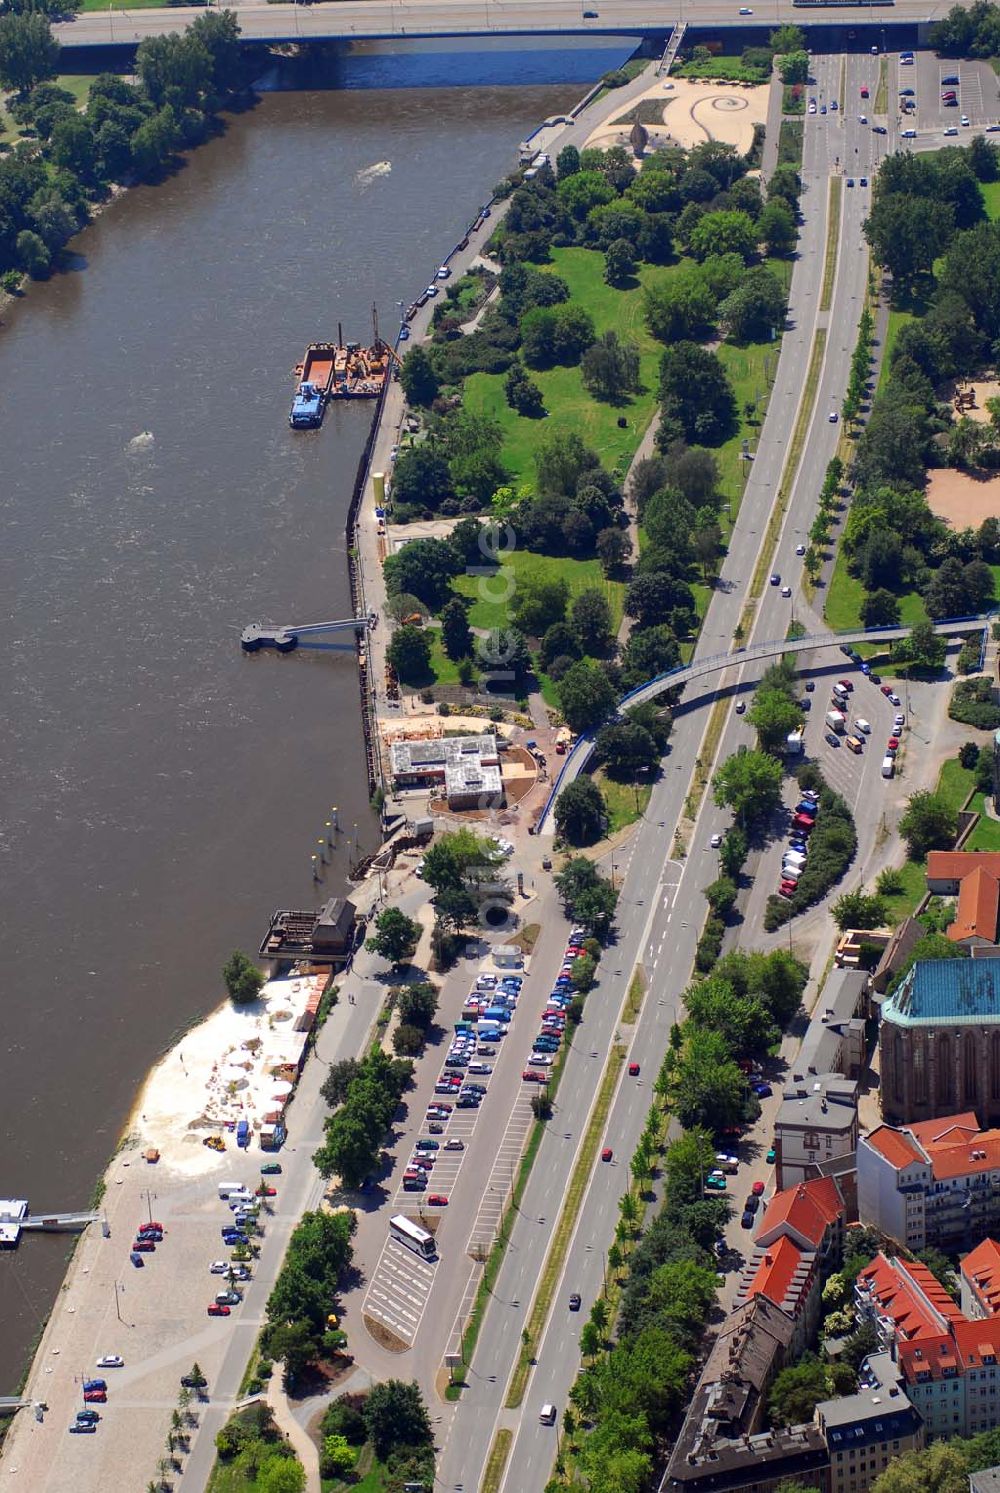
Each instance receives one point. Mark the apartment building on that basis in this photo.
(936, 1182)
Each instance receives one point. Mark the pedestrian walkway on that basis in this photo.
(298, 1438)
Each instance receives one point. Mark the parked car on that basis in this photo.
(111, 1361)
(82, 1428)
(757, 1189)
(437, 1200)
(747, 1221)
(454, 1144)
(216, 1309)
(88, 1417)
(95, 1396)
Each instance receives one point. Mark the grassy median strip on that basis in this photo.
(882, 91)
(634, 998)
(795, 449)
(497, 1461)
(556, 1257)
(832, 242)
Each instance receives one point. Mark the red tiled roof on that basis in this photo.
(953, 865)
(809, 1209)
(982, 1154)
(982, 1269)
(978, 907)
(894, 1145)
(946, 1130)
(905, 1292)
(975, 1340)
(776, 1271)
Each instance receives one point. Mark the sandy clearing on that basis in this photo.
(694, 112)
(983, 389)
(961, 500)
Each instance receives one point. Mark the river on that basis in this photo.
(161, 793)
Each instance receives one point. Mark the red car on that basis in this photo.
(846, 684)
(95, 1396)
(607, 1153)
(423, 1162)
(886, 689)
(893, 742)
(531, 1075)
(757, 1189)
(268, 1192)
(438, 1200)
(217, 1310)
(144, 1246)
(149, 1228)
(633, 1070)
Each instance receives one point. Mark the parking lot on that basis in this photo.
(399, 1289)
(974, 84)
(857, 777)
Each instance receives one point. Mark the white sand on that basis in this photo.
(222, 1072)
(694, 112)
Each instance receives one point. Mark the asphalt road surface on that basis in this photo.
(662, 905)
(417, 18)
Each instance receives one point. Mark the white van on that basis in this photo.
(231, 1189)
(888, 767)
(547, 1415)
(791, 873)
(863, 726)
(794, 858)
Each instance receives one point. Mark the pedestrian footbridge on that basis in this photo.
(708, 668)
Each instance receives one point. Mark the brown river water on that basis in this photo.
(161, 793)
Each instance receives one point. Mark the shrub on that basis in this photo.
(709, 944)
(890, 881)
(973, 703)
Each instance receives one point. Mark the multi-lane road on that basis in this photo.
(352, 19)
(662, 906)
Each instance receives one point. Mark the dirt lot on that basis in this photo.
(693, 112)
(963, 501)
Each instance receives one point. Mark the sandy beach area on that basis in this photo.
(691, 114)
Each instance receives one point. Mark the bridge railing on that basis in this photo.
(717, 662)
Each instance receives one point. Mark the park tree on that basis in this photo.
(619, 262)
(928, 823)
(794, 67)
(696, 396)
(626, 748)
(422, 477)
(586, 697)
(907, 234)
(755, 309)
(338, 1080)
(706, 1086)
(614, 550)
(28, 52)
(456, 634)
(649, 652)
(750, 784)
(418, 378)
(859, 909)
(417, 1004)
(218, 31)
(425, 568)
(242, 979)
(395, 936)
(787, 38)
(175, 69)
(580, 812)
(409, 653)
(610, 367)
(523, 394)
(538, 603)
(568, 161)
(773, 715)
(587, 896)
(395, 1417)
(724, 232)
(880, 608)
(777, 227)
(923, 647)
(590, 618)
(683, 306)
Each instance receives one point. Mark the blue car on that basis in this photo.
(762, 1090)
(137, 1259)
(866, 668)
(94, 1384)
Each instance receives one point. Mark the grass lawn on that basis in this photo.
(78, 84)
(621, 310)
(955, 783)
(986, 835)
(790, 142)
(730, 68)
(626, 802)
(842, 607)
(991, 197)
(897, 320)
(229, 1477)
(371, 1476)
(445, 669)
(901, 904)
(580, 575)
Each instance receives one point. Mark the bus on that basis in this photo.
(413, 1236)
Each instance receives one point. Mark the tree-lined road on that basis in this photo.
(380, 19)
